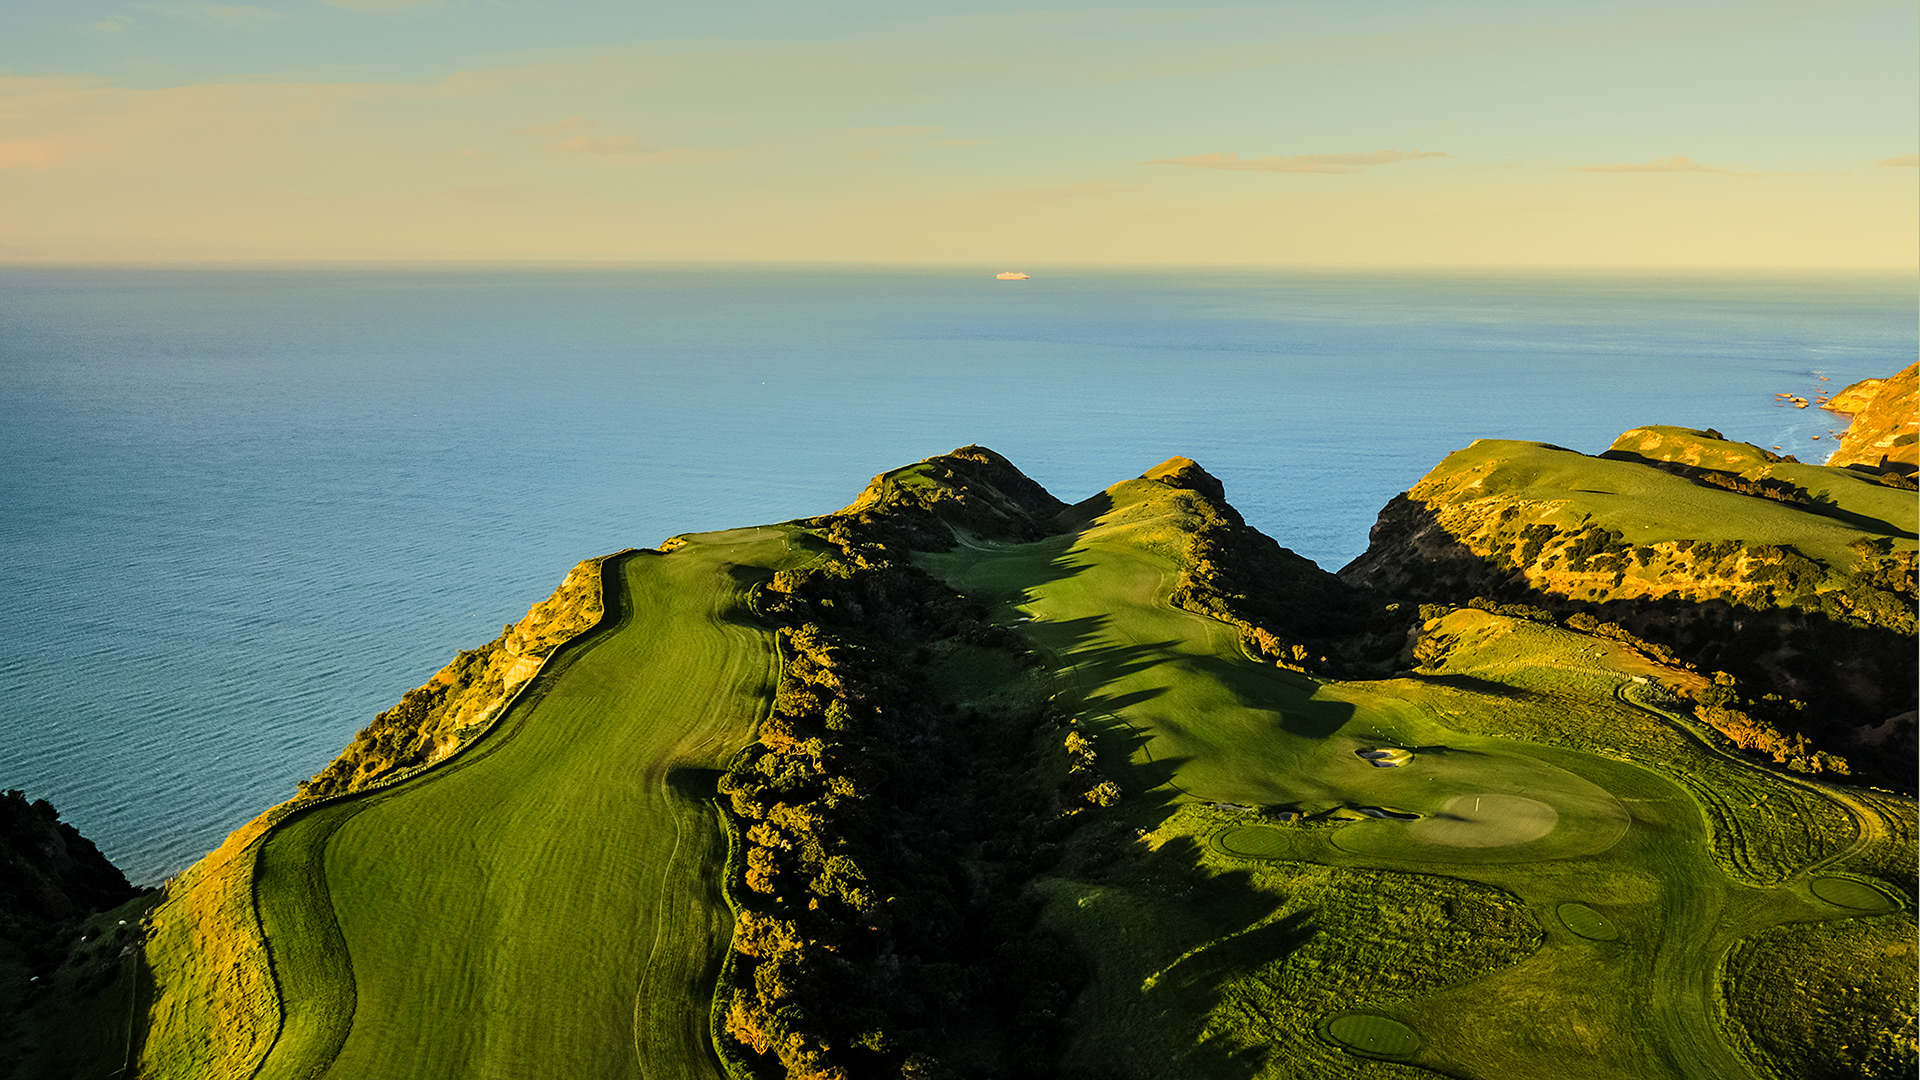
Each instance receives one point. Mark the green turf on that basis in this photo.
(550, 896)
(1527, 786)
(1587, 922)
(1253, 842)
(1371, 1033)
(1855, 895)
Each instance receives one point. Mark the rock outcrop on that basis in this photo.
(1885, 428)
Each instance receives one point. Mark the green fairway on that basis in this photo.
(1200, 736)
(550, 896)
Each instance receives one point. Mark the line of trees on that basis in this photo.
(886, 832)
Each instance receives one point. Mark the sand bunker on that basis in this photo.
(1386, 757)
(1485, 821)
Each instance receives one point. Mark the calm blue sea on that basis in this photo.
(246, 510)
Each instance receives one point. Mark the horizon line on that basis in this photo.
(479, 264)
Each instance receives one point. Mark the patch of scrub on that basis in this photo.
(1588, 923)
(1849, 893)
(1371, 1033)
(1385, 757)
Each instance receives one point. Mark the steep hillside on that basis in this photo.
(1798, 580)
(64, 967)
(215, 1009)
(1882, 433)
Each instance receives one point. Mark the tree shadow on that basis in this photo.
(694, 782)
(1228, 931)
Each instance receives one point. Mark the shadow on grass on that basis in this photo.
(694, 783)
(1190, 992)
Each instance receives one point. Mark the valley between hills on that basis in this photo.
(1591, 766)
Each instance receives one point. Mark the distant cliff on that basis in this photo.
(1884, 432)
(1797, 579)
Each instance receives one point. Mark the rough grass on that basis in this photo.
(1572, 689)
(213, 1010)
(1827, 1001)
(1268, 954)
(557, 884)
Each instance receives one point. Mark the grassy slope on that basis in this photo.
(542, 899)
(1649, 506)
(213, 1009)
(1202, 724)
(1874, 505)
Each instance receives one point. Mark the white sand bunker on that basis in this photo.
(1484, 821)
(1386, 757)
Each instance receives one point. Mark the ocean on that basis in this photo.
(244, 510)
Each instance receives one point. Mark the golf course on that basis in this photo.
(962, 778)
(1614, 861)
(551, 895)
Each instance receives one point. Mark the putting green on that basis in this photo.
(1480, 821)
(1371, 1033)
(1588, 923)
(1848, 893)
(1254, 842)
(1560, 816)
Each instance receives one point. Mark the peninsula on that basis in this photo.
(1591, 766)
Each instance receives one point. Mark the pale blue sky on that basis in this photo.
(1399, 133)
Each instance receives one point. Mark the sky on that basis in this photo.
(1395, 133)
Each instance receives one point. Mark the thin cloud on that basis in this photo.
(905, 129)
(1679, 164)
(216, 14)
(28, 155)
(959, 142)
(1300, 163)
(1904, 161)
(565, 123)
(112, 24)
(612, 144)
(377, 5)
(1086, 189)
(1675, 164)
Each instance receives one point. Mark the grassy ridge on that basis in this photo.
(554, 880)
(215, 1009)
